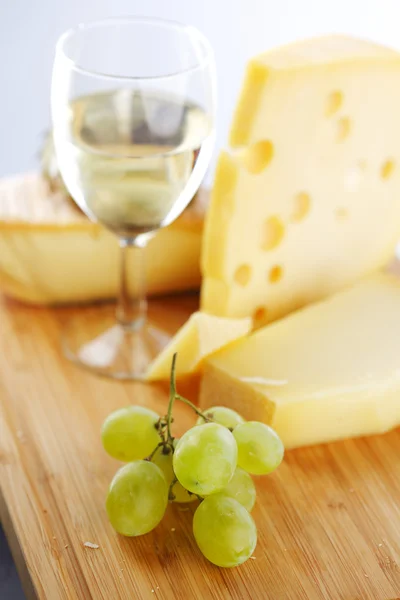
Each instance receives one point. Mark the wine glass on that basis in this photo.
(133, 110)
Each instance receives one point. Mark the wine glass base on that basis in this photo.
(108, 348)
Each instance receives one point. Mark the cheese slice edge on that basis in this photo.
(197, 339)
(329, 371)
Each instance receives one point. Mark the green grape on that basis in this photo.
(205, 458)
(222, 415)
(260, 449)
(241, 487)
(224, 531)
(137, 498)
(164, 461)
(130, 433)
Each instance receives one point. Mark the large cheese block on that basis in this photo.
(51, 253)
(308, 200)
(199, 337)
(329, 371)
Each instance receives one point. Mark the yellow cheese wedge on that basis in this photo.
(309, 200)
(329, 371)
(51, 253)
(199, 337)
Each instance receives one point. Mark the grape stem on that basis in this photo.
(173, 395)
(171, 495)
(197, 495)
(196, 410)
(154, 451)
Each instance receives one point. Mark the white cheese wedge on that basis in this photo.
(50, 253)
(199, 337)
(329, 371)
(309, 200)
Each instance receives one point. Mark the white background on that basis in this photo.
(237, 29)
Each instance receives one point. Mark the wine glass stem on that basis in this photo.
(132, 302)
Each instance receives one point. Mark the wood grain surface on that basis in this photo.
(328, 519)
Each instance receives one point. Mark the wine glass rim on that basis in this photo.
(207, 50)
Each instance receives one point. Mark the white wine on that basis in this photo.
(130, 160)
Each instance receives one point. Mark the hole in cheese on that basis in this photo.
(301, 206)
(341, 213)
(387, 169)
(275, 274)
(273, 232)
(242, 275)
(259, 316)
(333, 103)
(343, 129)
(258, 156)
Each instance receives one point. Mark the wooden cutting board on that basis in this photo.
(328, 519)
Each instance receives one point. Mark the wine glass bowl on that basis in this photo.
(133, 108)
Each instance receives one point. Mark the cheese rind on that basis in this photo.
(197, 339)
(309, 202)
(327, 372)
(50, 253)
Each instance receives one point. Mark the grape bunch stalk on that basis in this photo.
(211, 463)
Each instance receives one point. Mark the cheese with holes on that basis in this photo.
(51, 253)
(308, 200)
(329, 371)
(199, 337)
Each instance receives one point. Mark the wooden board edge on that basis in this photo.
(16, 551)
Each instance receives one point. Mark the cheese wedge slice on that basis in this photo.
(50, 253)
(309, 199)
(329, 371)
(199, 337)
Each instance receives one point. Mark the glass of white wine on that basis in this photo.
(133, 110)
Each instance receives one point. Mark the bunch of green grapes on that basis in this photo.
(211, 463)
